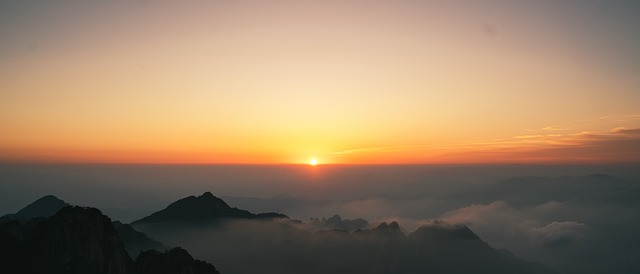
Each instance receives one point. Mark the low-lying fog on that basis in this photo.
(571, 218)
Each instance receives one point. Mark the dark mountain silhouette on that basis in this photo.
(391, 229)
(276, 203)
(176, 260)
(437, 247)
(77, 240)
(136, 242)
(202, 209)
(445, 248)
(286, 246)
(336, 222)
(43, 207)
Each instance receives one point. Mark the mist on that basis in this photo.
(575, 219)
(286, 246)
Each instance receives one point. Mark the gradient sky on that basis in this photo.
(222, 81)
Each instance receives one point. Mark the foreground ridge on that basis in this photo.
(83, 240)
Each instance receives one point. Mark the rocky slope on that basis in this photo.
(80, 240)
(176, 260)
(136, 242)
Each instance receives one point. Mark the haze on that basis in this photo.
(576, 219)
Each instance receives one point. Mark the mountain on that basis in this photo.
(202, 209)
(175, 260)
(286, 246)
(436, 247)
(43, 207)
(446, 248)
(74, 240)
(336, 222)
(136, 242)
(79, 240)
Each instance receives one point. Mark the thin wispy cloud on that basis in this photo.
(616, 145)
(380, 149)
(621, 117)
(552, 128)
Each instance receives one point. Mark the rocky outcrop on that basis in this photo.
(74, 240)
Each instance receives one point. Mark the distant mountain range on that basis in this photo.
(212, 229)
(336, 222)
(83, 240)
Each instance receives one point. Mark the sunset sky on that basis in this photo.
(350, 82)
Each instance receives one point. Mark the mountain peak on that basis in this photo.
(335, 219)
(391, 226)
(43, 207)
(212, 201)
(207, 195)
(46, 206)
(201, 209)
(442, 229)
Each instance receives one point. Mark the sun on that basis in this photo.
(313, 162)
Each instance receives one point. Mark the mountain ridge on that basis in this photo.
(51, 236)
(83, 240)
(289, 246)
(202, 209)
(45, 206)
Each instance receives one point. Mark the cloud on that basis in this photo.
(381, 149)
(544, 214)
(366, 207)
(557, 234)
(622, 130)
(537, 136)
(620, 117)
(496, 222)
(552, 128)
(480, 214)
(528, 228)
(619, 145)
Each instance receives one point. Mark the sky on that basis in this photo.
(344, 82)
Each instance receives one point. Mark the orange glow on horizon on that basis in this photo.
(584, 148)
(349, 82)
